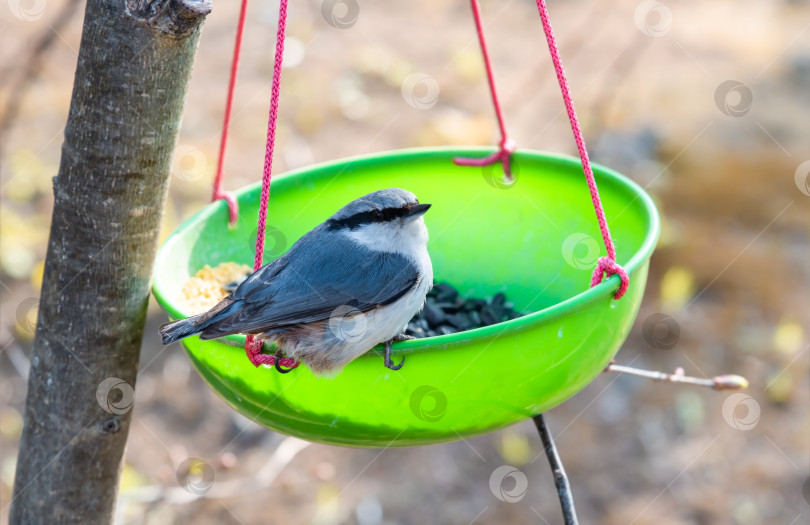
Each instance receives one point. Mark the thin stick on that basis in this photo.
(560, 478)
(724, 382)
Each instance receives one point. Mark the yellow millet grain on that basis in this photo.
(203, 291)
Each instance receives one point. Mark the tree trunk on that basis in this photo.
(134, 64)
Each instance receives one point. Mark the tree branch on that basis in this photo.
(723, 382)
(560, 478)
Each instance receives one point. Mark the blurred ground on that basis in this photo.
(726, 162)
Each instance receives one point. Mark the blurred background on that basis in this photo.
(705, 104)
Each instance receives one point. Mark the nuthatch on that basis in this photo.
(352, 282)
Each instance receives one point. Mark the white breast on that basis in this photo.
(409, 240)
(329, 349)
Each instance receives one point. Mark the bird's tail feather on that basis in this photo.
(176, 330)
(205, 323)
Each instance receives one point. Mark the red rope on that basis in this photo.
(233, 207)
(253, 347)
(506, 146)
(271, 134)
(605, 265)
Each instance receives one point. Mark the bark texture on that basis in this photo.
(134, 63)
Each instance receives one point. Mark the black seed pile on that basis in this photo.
(447, 312)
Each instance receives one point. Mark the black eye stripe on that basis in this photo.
(367, 217)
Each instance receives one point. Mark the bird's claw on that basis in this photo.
(277, 364)
(402, 337)
(388, 362)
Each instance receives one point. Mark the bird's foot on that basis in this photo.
(402, 337)
(388, 362)
(277, 363)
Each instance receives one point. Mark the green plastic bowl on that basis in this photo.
(537, 241)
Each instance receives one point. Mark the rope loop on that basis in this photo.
(233, 206)
(503, 155)
(253, 348)
(606, 265)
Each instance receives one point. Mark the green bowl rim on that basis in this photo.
(603, 290)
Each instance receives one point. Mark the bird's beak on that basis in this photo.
(417, 210)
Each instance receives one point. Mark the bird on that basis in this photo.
(350, 283)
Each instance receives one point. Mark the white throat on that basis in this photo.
(409, 239)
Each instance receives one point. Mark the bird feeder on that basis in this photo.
(535, 240)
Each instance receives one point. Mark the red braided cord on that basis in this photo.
(507, 147)
(233, 207)
(271, 134)
(605, 264)
(253, 346)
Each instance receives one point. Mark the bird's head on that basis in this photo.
(385, 220)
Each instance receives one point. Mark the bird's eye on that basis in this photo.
(377, 215)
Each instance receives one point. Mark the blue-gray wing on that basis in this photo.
(309, 282)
